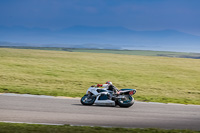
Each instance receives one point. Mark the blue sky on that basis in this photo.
(180, 15)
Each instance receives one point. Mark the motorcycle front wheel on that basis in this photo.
(126, 102)
(87, 100)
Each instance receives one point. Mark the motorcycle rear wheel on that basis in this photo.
(87, 100)
(129, 101)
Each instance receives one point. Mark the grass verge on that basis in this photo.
(37, 128)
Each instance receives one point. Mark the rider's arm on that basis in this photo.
(115, 89)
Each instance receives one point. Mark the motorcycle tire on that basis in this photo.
(85, 101)
(126, 103)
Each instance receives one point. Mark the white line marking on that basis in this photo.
(39, 96)
(63, 124)
(31, 123)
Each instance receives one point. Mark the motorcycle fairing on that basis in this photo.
(99, 100)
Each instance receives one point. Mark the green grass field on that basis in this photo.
(62, 73)
(35, 128)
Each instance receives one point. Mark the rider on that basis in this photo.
(109, 86)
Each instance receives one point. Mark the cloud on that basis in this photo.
(182, 15)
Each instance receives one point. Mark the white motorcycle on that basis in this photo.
(103, 96)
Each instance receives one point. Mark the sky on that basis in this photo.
(180, 15)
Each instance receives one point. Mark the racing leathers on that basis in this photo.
(109, 87)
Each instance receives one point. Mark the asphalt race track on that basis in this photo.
(58, 110)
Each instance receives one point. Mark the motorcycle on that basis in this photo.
(102, 96)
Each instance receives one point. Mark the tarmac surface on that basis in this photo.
(60, 110)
